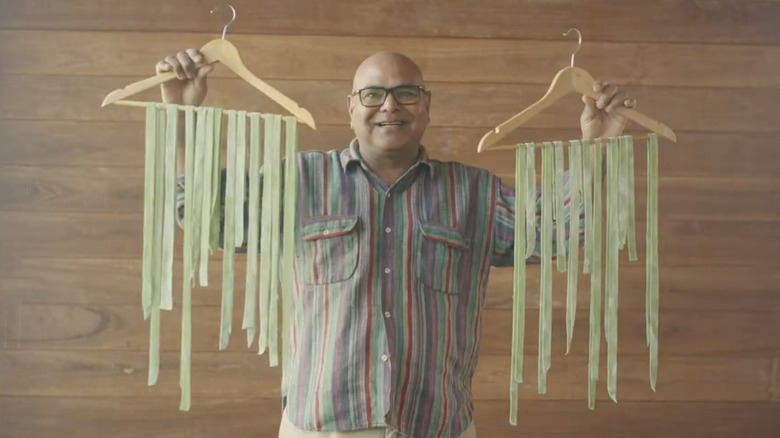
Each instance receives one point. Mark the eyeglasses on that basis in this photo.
(403, 94)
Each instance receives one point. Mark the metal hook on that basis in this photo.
(579, 43)
(224, 29)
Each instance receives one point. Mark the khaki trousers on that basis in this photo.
(288, 430)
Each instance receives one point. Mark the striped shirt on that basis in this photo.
(388, 292)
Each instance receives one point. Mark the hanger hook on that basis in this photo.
(224, 29)
(579, 43)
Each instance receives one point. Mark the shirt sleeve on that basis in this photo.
(504, 222)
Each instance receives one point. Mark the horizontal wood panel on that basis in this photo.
(681, 242)
(441, 59)
(103, 327)
(120, 144)
(705, 109)
(124, 374)
(128, 417)
(120, 190)
(730, 21)
(118, 281)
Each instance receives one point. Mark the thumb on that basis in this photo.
(204, 70)
(590, 111)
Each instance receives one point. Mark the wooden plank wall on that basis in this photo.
(73, 353)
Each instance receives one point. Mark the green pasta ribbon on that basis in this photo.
(166, 288)
(288, 231)
(611, 274)
(545, 294)
(629, 145)
(594, 341)
(274, 181)
(148, 236)
(226, 320)
(240, 175)
(250, 298)
(560, 219)
(159, 193)
(575, 169)
(186, 302)
(530, 204)
(652, 255)
(587, 196)
(518, 294)
(205, 218)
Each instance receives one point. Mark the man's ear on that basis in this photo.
(428, 99)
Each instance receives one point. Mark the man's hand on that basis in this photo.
(598, 119)
(191, 70)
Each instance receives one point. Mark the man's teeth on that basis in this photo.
(389, 123)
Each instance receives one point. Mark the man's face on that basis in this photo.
(392, 126)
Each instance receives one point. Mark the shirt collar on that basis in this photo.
(351, 157)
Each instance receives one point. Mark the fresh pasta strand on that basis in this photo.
(230, 225)
(205, 218)
(288, 230)
(148, 227)
(560, 219)
(575, 169)
(265, 238)
(154, 329)
(240, 175)
(530, 203)
(250, 298)
(273, 257)
(518, 293)
(587, 196)
(594, 342)
(545, 295)
(611, 277)
(171, 131)
(186, 302)
(631, 199)
(216, 192)
(652, 255)
(198, 184)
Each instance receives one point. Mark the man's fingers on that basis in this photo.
(608, 91)
(187, 64)
(616, 101)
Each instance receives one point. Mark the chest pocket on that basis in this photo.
(330, 247)
(442, 256)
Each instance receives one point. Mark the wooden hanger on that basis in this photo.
(568, 80)
(217, 50)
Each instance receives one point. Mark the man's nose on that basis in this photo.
(390, 104)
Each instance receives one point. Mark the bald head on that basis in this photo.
(382, 66)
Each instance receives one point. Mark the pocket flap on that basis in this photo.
(447, 235)
(328, 226)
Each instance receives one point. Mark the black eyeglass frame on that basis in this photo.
(387, 93)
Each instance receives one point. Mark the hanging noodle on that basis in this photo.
(611, 277)
(166, 288)
(229, 240)
(560, 220)
(250, 298)
(205, 212)
(587, 198)
(575, 170)
(545, 294)
(530, 204)
(198, 183)
(518, 293)
(594, 342)
(652, 255)
(240, 176)
(216, 192)
(290, 204)
(186, 302)
(274, 181)
(629, 140)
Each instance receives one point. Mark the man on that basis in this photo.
(394, 251)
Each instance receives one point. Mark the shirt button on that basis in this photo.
(326, 232)
(387, 270)
(387, 314)
(384, 358)
(387, 230)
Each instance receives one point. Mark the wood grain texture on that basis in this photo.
(120, 144)
(128, 417)
(78, 373)
(73, 350)
(120, 190)
(682, 242)
(715, 21)
(120, 327)
(705, 109)
(118, 281)
(441, 59)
